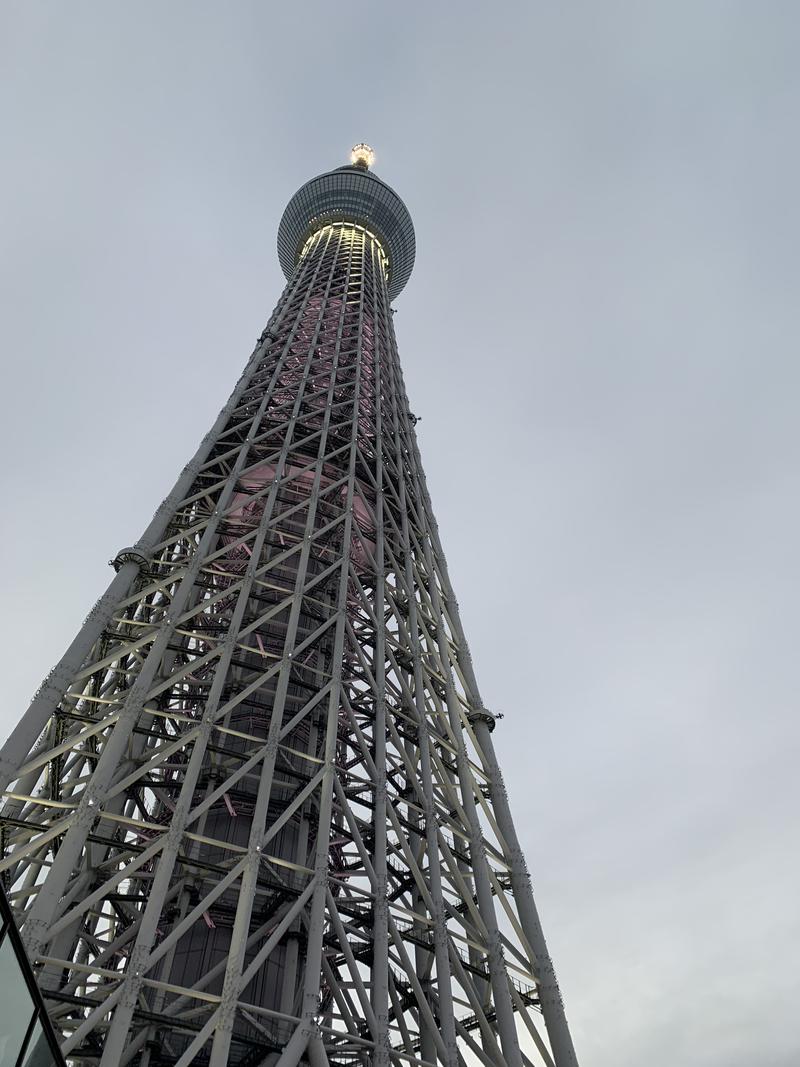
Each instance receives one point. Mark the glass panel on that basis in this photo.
(38, 1053)
(16, 1006)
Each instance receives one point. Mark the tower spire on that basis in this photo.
(362, 156)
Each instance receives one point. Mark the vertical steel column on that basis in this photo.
(446, 1014)
(380, 929)
(552, 1003)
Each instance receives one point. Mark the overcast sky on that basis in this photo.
(601, 337)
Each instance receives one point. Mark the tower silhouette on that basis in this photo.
(254, 815)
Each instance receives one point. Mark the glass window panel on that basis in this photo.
(16, 1006)
(38, 1052)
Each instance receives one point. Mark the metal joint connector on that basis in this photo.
(129, 555)
(484, 716)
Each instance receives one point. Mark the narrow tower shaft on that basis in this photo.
(255, 815)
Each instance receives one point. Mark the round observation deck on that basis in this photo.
(350, 194)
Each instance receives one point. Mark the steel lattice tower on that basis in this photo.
(254, 815)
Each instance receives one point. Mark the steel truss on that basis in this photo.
(255, 815)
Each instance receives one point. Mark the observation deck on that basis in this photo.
(350, 194)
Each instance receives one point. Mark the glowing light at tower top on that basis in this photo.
(362, 156)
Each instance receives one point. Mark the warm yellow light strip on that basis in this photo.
(353, 226)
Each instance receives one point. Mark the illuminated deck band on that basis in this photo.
(350, 194)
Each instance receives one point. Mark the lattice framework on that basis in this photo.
(255, 814)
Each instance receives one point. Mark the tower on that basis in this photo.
(254, 815)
